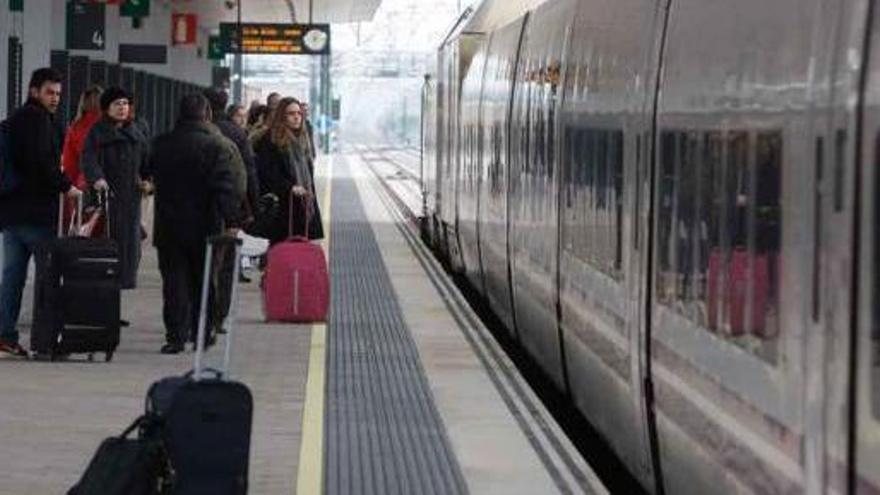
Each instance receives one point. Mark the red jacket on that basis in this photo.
(73, 147)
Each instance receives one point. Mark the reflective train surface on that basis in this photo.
(671, 205)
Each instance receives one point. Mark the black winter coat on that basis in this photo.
(239, 137)
(277, 177)
(195, 185)
(119, 156)
(36, 155)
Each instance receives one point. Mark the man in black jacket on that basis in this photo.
(224, 264)
(192, 168)
(29, 213)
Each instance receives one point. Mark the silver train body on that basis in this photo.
(672, 206)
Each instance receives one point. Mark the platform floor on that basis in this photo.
(403, 391)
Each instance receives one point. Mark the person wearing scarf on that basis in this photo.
(284, 164)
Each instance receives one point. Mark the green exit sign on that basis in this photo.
(215, 48)
(135, 8)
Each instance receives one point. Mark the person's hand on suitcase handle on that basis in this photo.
(147, 188)
(299, 190)
(73, 193)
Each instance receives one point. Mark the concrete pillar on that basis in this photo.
(7, 21)
(36, 47)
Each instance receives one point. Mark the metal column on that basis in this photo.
(237, 66)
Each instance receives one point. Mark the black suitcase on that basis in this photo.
(203, 418)
(124, 466)
(76, 296)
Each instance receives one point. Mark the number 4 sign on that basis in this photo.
(85, 26)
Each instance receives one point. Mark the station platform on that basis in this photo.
(403, 391)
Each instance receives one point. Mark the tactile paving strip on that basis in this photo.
(383, 433)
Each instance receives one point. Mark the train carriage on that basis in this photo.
(672, 206)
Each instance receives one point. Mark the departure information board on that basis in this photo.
(275, 39)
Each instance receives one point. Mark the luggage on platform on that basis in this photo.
(296, 282)
(124, 466)
(76, 294)
(203, 418)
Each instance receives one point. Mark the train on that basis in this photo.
(672, 207)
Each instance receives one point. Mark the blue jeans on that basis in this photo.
(19, 243)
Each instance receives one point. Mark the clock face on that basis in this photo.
(315, 40)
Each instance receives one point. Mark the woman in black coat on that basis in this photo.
(114, 158)
(284, 164)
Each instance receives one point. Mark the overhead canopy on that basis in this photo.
(336, 11)
(213, 12)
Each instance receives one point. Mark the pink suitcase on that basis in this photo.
(296, 283)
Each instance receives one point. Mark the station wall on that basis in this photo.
(42, 27)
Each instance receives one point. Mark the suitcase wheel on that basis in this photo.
(108, 356)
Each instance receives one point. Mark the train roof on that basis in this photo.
(484, 16)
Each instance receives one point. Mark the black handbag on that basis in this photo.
(265, 216)
(125, 466)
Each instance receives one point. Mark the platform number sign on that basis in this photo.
(85, 25)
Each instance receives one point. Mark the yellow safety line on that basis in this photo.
(310, 474)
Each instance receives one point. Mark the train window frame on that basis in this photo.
(718, 232)
(592, 220)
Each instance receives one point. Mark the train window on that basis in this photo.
(616, 162)
(719, 231)
(839, 167)
(875, 316)
(819, 161)
(593, 185)
(496, 177)
(665, 207)
(768, 234)
(711, 194)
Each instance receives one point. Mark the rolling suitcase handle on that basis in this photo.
(104, 202)
(77, 215)
(77, 219)
(198, 370)
(305, 203)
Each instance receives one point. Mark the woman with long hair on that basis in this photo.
(284, 164)
(88, 113)
(114, 159)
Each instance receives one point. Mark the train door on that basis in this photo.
(736, 117)
(534, 188)
(752, 245)
(495, 167)
(605, 126)
(867, 341)
(468, 185)
(448, 156)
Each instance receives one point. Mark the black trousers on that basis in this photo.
(182, 268)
